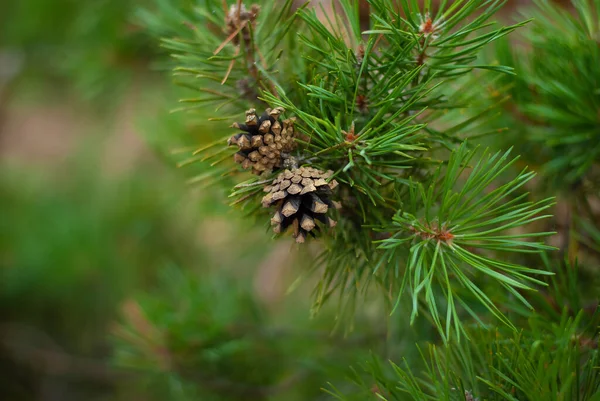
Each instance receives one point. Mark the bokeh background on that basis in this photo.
(119, 279)
(107, 253)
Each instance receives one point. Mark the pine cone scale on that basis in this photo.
(307, 223)
(294, 189)
(256, 141)
(285, 184)
(290, 207)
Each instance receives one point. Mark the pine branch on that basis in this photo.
(368, 106)
(457, 223)
(537, 363)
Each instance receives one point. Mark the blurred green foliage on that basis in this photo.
(93, 46)
(72, 249)
(207, 338)
(553, 113)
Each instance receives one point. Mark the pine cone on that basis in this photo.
(264, 140)
(302, 196)
(237, 20)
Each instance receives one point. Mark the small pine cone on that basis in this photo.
(263, 141)
(237, 20)
(302, 197)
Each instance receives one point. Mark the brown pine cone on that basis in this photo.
(302, 196)
(237, 20)
(264, 140)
